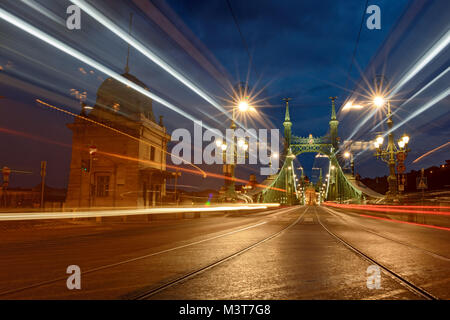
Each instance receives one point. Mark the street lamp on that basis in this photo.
(391, 154)
(92, 152)
(349, 155)
(229, 169)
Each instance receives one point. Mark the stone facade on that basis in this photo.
(128, 168)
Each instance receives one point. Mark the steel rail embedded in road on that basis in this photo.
(407, 284)
(198, 271)
(112, 265)
(431, 253)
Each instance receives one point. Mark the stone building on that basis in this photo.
(118, 158)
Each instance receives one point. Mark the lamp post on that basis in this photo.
(229, 168)
(349, 155)
(391, 154)
(92, 151)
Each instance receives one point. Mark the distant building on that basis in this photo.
(124, 171)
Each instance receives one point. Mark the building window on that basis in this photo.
(152, 153)
(102, 186)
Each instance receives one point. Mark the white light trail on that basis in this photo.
(95, 14)
(422, 109)
(39, 8)
(414, 96)
(85, 59)
(431, 53)
(440, 45)
(114, 213)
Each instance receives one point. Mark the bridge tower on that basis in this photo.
(334, 125)
(287, 127)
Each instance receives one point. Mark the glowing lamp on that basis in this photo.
(378, 101)
(243, 106)
(405, 139)
(380, 140)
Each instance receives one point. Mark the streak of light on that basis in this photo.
(33, 137)
(115, 213)
(423, 61)
(195, 172)
(117, 131)
(95, 14)
(430, 152)
(99, 17)
(119, 156)
(406, 222)
(414, 96)
(85, 59)
(42, 10)
(349, 106)
(374, 208)
(420, 110)
(440, 45)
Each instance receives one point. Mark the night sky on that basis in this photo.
(299, 49)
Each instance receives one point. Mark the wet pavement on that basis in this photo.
(295, 258)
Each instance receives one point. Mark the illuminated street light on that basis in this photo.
(391, 154)
(379, 101)
(380, 140)
(224, 147)
(243, 106)
(347, 154)
(405, 139)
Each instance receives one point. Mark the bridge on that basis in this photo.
(338, 187)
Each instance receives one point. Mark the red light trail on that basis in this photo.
(406, 222)
(378, 209)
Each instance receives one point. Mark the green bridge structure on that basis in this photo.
(283, 188)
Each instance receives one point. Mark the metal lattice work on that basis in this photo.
(283, 188)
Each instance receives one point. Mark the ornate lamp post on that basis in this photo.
(229, 168)
(391, 154)
(348, 155)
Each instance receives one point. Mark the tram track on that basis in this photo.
(149, 293)
(270, 215)
(410, 286)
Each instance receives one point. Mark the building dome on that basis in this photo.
(114, 96)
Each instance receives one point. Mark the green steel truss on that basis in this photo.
(283, 187)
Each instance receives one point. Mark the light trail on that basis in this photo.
(208, 174)
(19, 23)
(102, 19)
(118, 131)
(422, 109)
(119, 156)
(440, 45)
(85, 59)
(95, 14)
(408, 206)
(42, 10)
(414, 96)
(431, 53)
(406, 222)
(114, 213)
(430, 152)
(370, 208)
